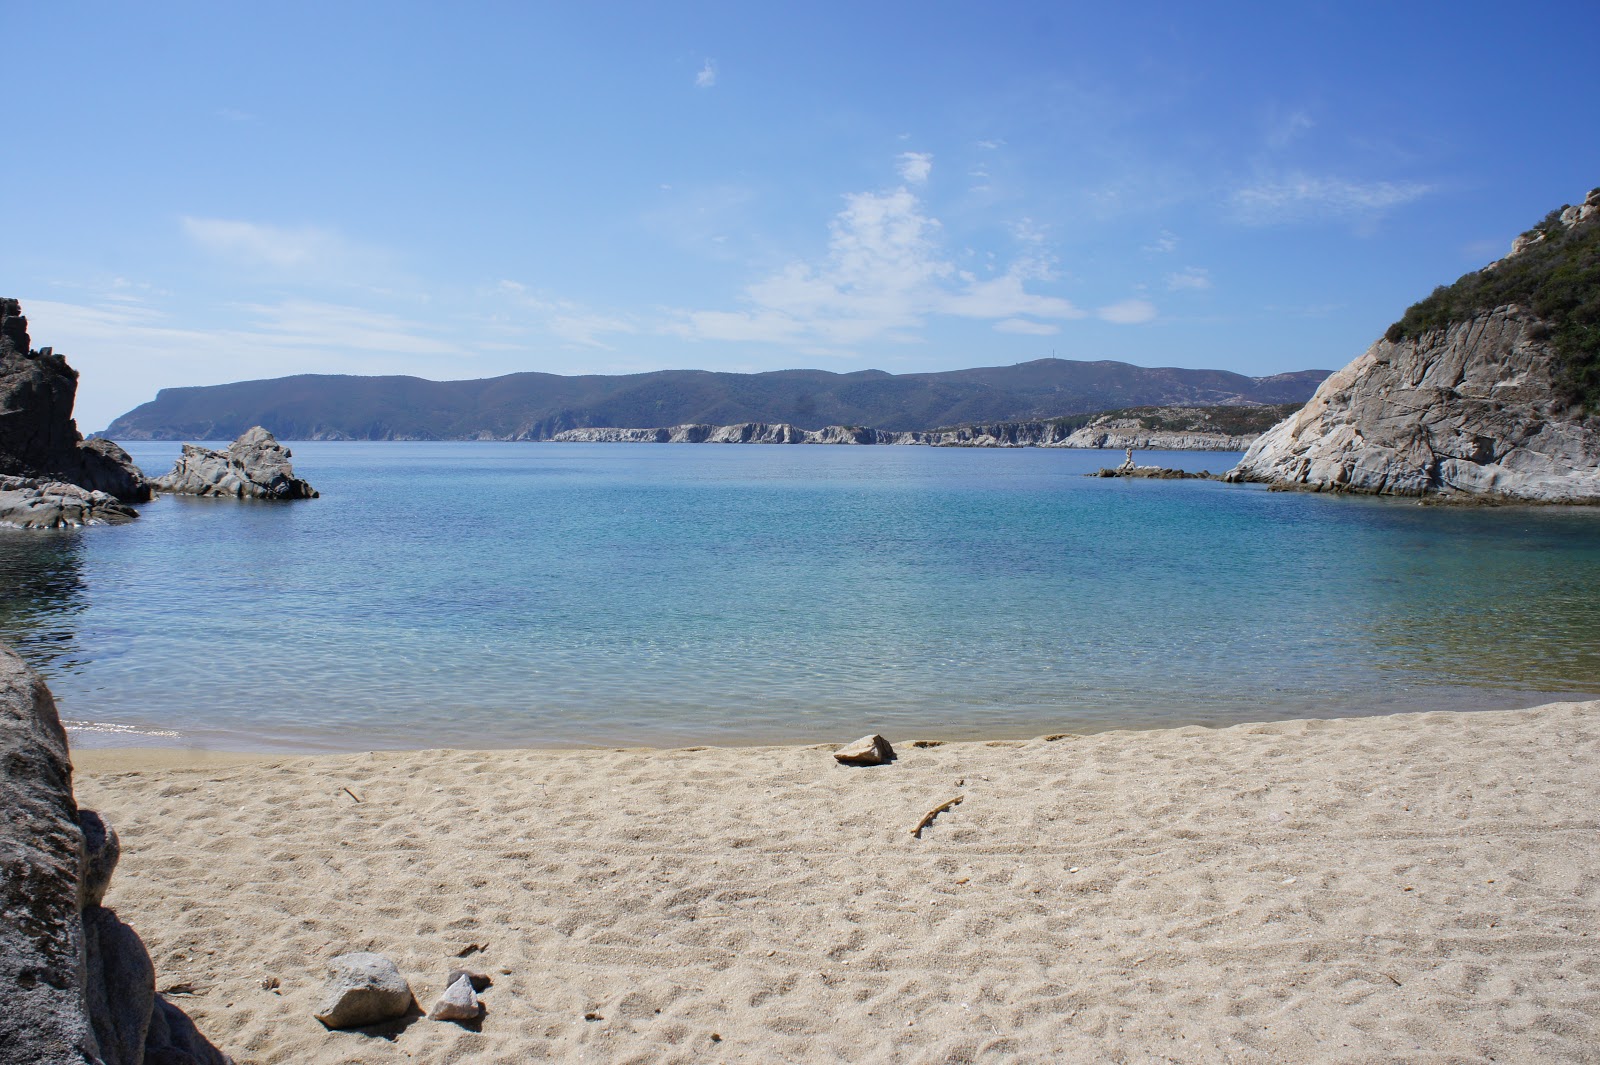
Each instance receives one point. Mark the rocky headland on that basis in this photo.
(77, 986)
(1488, 390)
(50, 476)
(255, 466)
(539, 406)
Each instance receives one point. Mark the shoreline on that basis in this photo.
(218, 749)
(1359, 888)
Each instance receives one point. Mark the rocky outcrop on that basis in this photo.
(1465, 411)
(28, 503)
(77, 985)
(1489, 388)
(39, 439)
(255, 466)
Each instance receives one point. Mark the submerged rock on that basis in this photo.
(255, 466)
(363, 989)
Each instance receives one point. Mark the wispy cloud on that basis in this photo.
(565, 319)
(1298, 197)
(256, 244)
(884, 274)
(915, 167)
(707, 76)
(1284, 129)
(1128, 312)
(126, 351)
(1026, 328)
(1191, 278)
(1164, 244)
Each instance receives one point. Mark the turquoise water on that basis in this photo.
(473, 595)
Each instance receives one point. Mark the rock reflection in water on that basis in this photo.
(42, 595)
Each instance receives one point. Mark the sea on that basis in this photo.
(472, 595)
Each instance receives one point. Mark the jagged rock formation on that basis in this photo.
(1147, 428)
(39, 440)
(1471, 408)
(255, 466)
(29, 503)
(537, 406)
(77, 986)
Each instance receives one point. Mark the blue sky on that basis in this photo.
(216, 192)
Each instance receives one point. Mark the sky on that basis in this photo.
(219, 192)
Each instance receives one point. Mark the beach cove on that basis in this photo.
(569, 595)
(1414, 887)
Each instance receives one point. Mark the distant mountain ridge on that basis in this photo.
(537, 406)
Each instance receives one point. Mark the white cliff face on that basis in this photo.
(1116, 434)
(1465, 411)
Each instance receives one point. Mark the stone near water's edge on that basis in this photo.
(868, 750)
(41, 852)
(363, 989)
(77, 984)
(1159, 473)
(255, 466)
(39, 440)
(29, 503)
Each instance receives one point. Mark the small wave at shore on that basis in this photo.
(116, 729)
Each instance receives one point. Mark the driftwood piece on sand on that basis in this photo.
(927, 818)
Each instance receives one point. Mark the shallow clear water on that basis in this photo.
(472, 595)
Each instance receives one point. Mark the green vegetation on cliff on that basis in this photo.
(1557, 278)
(1231, 420)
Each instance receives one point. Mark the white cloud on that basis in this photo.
(883, 276)
(1299, 196)
(707, 77)
(1128, 312)
(1164, 244)
(989, 145)
(1190, 277)
(1026, 328)
(1285, 129)
(125, 351)
(254, 244)
(915, 166)
(565, 319)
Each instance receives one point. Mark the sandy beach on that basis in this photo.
(1418, 887)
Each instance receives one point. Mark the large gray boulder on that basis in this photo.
(38, 437)
(255, 466)
(1470, 411)
(363, 989)
(76, 984)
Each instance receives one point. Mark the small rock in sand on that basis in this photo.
(868, 750)
(363, 989)
(458, 1003)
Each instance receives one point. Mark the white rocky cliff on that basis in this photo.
(1471, 409)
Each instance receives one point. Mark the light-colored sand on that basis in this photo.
(1419, 888)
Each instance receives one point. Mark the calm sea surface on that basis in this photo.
(475, 595)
